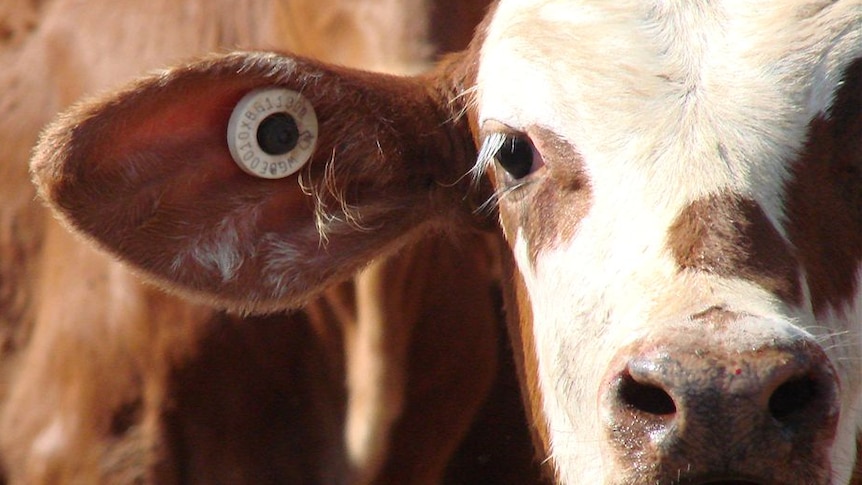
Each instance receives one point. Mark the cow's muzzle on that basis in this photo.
(696, 410)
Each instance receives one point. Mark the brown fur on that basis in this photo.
(831, 167)
(361, 174)
(451, 25)
(732, 237)
(165, 391)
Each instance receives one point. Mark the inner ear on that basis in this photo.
(147, 174)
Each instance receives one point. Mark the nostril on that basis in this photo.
(646, 398)
(793, 396)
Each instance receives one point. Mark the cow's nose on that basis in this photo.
(721, 414)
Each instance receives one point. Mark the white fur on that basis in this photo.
(221, 248)
(666, 102)
(283, 254)
(220, 254)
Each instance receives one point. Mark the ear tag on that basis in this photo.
(272, 132)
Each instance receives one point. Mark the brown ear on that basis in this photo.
(147, 174)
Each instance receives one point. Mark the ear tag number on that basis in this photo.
(272, 132)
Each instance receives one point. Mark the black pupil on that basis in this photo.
(516, 156)
(277, 134)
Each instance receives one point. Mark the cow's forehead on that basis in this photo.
(639, 49)
(671, 101)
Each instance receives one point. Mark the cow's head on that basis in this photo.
(680, 184)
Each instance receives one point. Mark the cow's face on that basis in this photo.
(649, 160)
(679, 183)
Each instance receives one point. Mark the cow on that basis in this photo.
(677, 185)
(381, 378)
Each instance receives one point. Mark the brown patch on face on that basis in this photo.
(824, 205)
(731, 236)
(552, 201)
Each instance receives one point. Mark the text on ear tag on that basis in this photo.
(272, 132)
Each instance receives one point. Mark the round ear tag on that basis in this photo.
(272, 132)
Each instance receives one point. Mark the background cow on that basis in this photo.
(678, 183)
(104, 379)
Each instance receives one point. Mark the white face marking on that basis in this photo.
(667, 103)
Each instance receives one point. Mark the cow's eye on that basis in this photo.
(516, 156)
